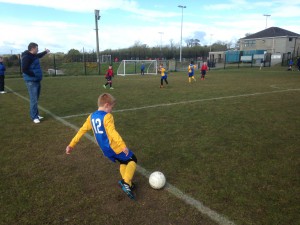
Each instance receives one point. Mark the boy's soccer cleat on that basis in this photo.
(133, 186)
(104, 86)
(126, 188)
(111, 88)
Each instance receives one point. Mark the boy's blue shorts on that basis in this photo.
(191, 74)
(121, 157)
(164, 77)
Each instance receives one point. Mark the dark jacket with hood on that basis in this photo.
(2, 69)
(31, 67)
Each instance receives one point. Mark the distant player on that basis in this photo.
(143, 69)
(109, 75)
(203, 69)
(261, 64)
(164, 75)
(191, 71)
(298, 63)
(290, 65)
(109, 140)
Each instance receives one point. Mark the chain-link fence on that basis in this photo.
(66, 65)
(60, 65)
(253, 60)
(63, 65)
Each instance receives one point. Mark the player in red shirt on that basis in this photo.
(203, 69)
(109, 75)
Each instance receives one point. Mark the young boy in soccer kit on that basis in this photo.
(164, 75)
(191, 71)
(203, 69)
(143, 69)
(291, 65)
(109, 140)
(109, 75)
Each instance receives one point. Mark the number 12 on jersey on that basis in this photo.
(96, 125)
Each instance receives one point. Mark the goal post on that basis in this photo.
(133, 67)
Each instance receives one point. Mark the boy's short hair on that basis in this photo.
(106, 98)
(32, 45)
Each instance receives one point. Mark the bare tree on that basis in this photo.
(192, 42)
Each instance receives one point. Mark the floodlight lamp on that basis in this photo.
(97, 14)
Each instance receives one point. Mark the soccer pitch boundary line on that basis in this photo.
(213, 215)
(187, 102)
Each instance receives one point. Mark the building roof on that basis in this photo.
(272, 32)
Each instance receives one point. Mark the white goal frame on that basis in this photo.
(134, 67)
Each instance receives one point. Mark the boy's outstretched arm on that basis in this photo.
(85, 127)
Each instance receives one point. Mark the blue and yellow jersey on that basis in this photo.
(107, 137)
(191, 69)
(162, 71)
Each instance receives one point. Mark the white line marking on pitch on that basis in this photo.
(213, 215)
(187, 102)
(274, 86)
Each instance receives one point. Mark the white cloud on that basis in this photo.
(44, 33)
(76, 5)
(91, 5)
(216, 22)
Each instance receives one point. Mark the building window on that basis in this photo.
(249, 43)
(290, 39)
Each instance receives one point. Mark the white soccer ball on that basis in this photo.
(157, 180)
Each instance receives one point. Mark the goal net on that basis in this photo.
(106, 58)
(133, 67)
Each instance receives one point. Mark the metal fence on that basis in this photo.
(63, 65)
(59, 65)
(268, 61)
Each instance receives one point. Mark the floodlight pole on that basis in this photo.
(161, 33)
(97, 17)
(210, 42)
(182, 7)
(266, 15)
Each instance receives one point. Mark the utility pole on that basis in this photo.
(182, 7)
(210, 42)
(266, 15)
(161, 33)
(97, 17)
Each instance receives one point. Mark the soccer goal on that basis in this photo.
(133, 67)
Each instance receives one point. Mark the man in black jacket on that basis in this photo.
(32, 74)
